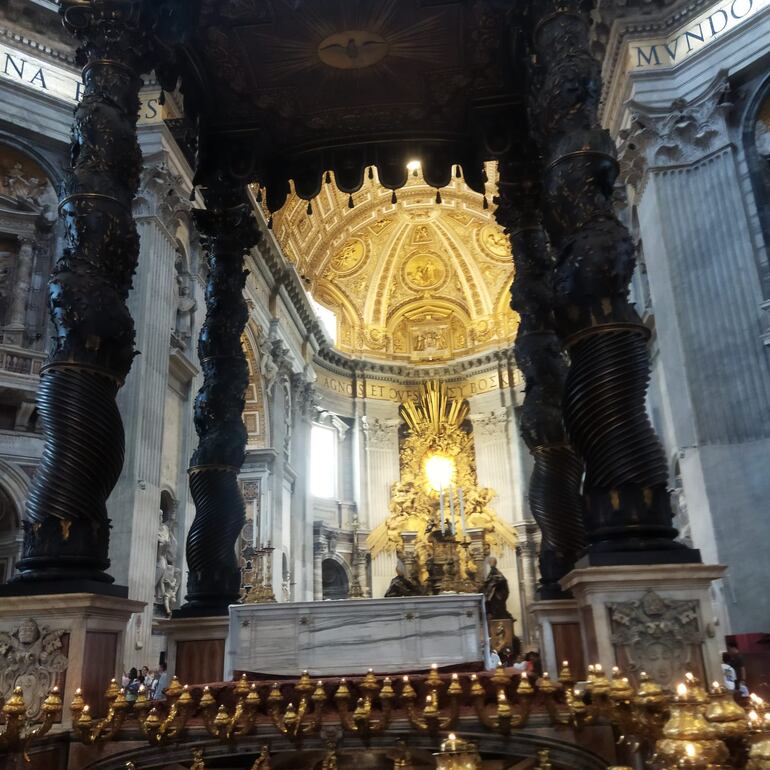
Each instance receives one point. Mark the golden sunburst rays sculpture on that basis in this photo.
(437, 456)
(434, 411)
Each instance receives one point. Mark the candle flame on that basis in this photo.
(681, 690)
(690, 750)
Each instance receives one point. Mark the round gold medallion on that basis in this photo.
(423, 272)
(348, 258)
(495, 241)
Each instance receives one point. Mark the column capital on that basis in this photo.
(162, 195)
(678, 134)
(490, 423)
(380, 433)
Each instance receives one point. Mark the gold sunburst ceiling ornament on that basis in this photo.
(412, 279)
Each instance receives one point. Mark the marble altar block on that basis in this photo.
(350, 636)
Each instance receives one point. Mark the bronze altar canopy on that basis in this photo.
(292, 89)
(289, 90)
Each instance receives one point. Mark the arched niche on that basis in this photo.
(28, 227)
(334, 580)
(756, 143)
(11, 505)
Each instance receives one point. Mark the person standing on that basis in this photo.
(134, 683)
(160, 684)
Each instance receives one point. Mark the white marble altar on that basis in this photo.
(350, 636)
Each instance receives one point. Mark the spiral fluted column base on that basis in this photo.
(626, 493)
(555, 502)
(214, 580)
(66, 525)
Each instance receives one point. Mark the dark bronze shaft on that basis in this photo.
(66, 534)
(228, 231)
(554, 488)
(627, 504)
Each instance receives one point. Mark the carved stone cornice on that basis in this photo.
(679, 134)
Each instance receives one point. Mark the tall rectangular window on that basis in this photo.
(323, 461)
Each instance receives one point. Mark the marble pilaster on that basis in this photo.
(713, 383)
(135, 502)
(18, 310)
(382, 471)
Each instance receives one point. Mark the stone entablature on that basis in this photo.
(635, 46)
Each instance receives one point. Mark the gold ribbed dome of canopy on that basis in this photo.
(415, 280)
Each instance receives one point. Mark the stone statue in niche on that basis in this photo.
(185, 309)
(31, 657)
(167, 574)
(268, 368)
(29, 191)
(660, 636)
(401, 585)
(496, 591)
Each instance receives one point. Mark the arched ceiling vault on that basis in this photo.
(411, 280)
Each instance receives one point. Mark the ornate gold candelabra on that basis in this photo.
(243, 721)
(156, 727)
(362, 719)
(302, 720)
(457, 754)
(503, 716)
(261, 592)
(159, 729)
(92, 731)
(19, 731)
(432, 718)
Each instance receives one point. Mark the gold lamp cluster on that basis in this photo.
(362, 708)
(689, 730)
(693, 729)
(18, 732)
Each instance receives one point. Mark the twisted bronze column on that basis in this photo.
(66, 528)
(228, 231)
(554, 487)
(627, 504)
